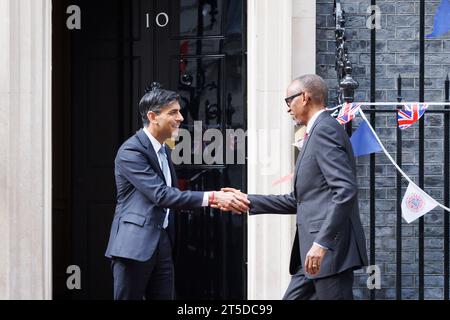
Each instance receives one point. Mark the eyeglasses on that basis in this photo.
(289, 99)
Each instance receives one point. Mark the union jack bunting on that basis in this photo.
(348, 112)
(410, 114)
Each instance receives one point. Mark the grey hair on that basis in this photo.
(315, 86)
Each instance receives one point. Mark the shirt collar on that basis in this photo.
(155, 143)
(313, 120)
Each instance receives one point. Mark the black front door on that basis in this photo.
(195, 47)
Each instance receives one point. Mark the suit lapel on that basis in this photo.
(154, 162)
(322, 116)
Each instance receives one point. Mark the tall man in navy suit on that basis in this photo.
(329, 237)
(142, 232)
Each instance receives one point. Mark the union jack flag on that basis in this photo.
(348, 112)
(410, 114)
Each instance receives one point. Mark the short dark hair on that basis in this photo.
(155, 99)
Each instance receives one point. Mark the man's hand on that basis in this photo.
(314, 259)
(230, 201)
(235, 191)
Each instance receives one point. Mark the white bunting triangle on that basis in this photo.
(416, 203)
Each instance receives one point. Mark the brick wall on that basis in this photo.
(397, 52)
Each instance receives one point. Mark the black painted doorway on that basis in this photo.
(195, 47)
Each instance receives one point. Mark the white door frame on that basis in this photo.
(26, 136)
(278, 51)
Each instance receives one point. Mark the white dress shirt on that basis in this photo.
(157, 146)
(313, 120)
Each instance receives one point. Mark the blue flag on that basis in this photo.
(441, 19)
(364, 141)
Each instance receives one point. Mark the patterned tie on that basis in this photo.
(306, 137)
(166, 172)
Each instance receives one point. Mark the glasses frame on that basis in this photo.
(289, 99)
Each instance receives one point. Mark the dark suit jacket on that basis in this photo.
(325, 201)
(142, 196)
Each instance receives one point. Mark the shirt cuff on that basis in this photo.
(205, 202)
(323, 247)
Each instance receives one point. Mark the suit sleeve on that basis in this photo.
(135, 167)
(335, 165)
(281, 204)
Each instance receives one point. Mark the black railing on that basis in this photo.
(421, 176)
(347, 86)
(446, 191)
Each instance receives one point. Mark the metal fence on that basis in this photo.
(347, 87)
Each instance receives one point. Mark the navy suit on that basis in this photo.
(325, 202)
(138, 245)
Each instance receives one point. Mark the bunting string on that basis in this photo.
(393, 161)
(391, 104)
(416, 202)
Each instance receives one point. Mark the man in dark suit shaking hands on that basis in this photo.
(330, 238)
(142, 232)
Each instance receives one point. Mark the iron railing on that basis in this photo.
(347, 86)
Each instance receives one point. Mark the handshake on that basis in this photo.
(229, 199)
